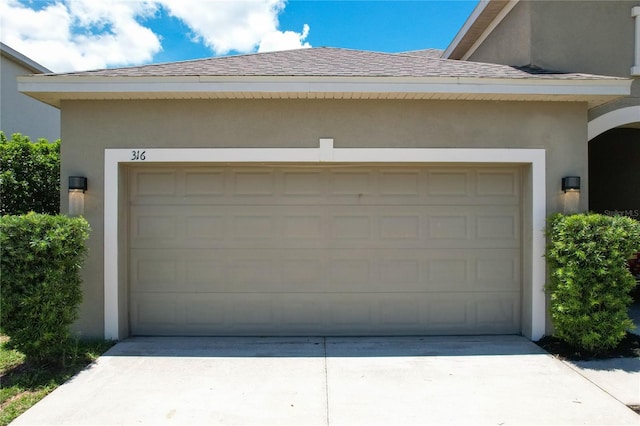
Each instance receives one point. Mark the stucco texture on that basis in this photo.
(88, 127)
(20, 113)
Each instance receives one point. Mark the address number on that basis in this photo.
(137, 155)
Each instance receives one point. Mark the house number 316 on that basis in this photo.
(137, 155)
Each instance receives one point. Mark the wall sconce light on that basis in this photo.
(77, 188)
(571, 183)
(571, 189)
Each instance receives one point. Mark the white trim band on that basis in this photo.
(635, 69)
(324, 153)
(486, 33)
(613, 119)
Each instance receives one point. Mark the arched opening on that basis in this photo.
(614, 178)
(614, 172)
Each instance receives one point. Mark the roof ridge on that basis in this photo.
(328, 62)
(222, 57)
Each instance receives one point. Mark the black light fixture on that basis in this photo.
(77, 188)
(571, 183)
(77, 183)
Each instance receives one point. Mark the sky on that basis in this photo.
(72, 35)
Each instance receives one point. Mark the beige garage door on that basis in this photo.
(324, 250)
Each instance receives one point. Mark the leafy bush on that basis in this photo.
(40, 281)
(589, 279)
(29, 175)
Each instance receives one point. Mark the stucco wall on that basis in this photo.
(91, 126)
(595, 37)
(509, 42)
(20, 113)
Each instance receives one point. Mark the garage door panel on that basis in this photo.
(203, 313)
(297, 271)
(449, 183)
(303, 227)
(380, 186)
(337, 314)
(155, 310)
(497, 312)
(159, 273)
(155, 183)
(204, 182)
(262, 250)
(296, 226)
(498, 183)
(497, 272)
(408, 184)
(253, 182)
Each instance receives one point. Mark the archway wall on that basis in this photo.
(611, 112)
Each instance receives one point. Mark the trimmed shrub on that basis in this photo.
(29, 175)
(40, 281)
(589, 279)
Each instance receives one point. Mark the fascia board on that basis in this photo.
(139, 85)
(485, 34)
(465, 28)
(464, 36)
(23, 60)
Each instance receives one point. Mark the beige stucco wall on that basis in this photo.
(509, 42)
(20, 113)
(597, 37)
(88, 127)
(594, 37)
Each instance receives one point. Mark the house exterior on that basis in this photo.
(335, 192)
(20, 113)
(596, 37)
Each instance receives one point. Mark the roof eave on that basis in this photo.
(23, 60)
(55, 89)
(482, 21)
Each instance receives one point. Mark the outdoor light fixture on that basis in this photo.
(571, 183)
(77, 188)
(571, 189)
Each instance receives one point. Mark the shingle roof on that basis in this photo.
(332, 62)
(429, 53)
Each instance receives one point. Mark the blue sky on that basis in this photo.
(386, 26)
(69, 35)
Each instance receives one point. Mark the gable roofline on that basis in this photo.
(482, 21)
(55, 90)
(23, 60)
(325, 73)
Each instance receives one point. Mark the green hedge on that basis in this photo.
(40, 283)
(29, 175)
(589, 281)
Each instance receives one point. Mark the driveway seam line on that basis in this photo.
(577, 370)
(326, 379)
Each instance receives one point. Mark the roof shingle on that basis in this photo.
(332, 62)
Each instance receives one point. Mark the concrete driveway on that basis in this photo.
(501, 380)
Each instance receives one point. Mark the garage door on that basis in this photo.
(324, 250)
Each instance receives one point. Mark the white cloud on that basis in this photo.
(278, 40)
(87, 34)
(241, 25)
(80, 34)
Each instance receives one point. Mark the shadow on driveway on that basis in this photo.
(308, 347)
